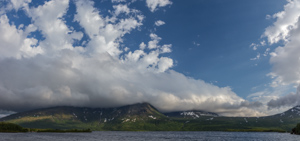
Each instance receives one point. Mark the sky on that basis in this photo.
(231, 57)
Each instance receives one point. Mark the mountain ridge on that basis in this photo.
(145, 117)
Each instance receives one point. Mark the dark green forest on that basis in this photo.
(10, 127)
(296, 130)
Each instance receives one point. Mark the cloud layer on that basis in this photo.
(289, 100)
(284, 59)
(54, 71)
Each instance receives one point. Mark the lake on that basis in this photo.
(149, 136)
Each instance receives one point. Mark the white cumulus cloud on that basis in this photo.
(41, 73)
(121, 9)
(14, 41)
(159, 23)
(154, 4)
(286, 21)
(285, 59)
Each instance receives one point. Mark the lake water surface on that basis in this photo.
(149, 136)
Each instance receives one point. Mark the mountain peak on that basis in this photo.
(292, 112)
(143, 105)
(193, 114)
(142, 109)
(298, 106)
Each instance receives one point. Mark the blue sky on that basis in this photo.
(232, 57)
(211, 40)
(224, 30)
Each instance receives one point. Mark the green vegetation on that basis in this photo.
(149, 125)
(296, 130)
(10, 127)
(163, 124)
(63, 131)
(14, 128)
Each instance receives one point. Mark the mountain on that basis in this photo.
(291, 113)
(145, 117)
(66, 117)
(84, 114)
(192, 114)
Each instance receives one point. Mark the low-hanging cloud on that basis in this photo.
(52, 72)
(289, 100)
(4, 113)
